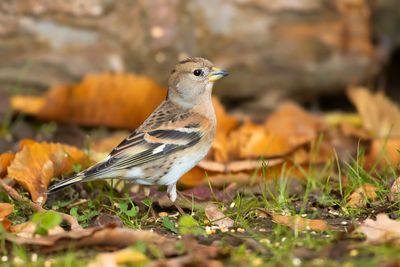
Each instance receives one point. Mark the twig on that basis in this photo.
(17, 197)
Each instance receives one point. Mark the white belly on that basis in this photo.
(182, 166)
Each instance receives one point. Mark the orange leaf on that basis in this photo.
(36, 164)
(301, 224)
(5, 161)
(225, 122)
(384, 153)
(252, 140)
(394, 194)
(116, 100)
(5, 210)
(294, 125)
(378, 113)
(359, 197)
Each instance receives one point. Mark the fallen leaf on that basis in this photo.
(383, 153)
(225, 122)
(196, 255)
(126, 256)
(193, 259)
(252, 141)
(37, 163)
(27, 229)
(394, 194)
(382, 230)
(378, 113)
(359, 198)
(5, 210)
(354, 131)
(294, 124)
(116, 100)
(216, 217)
(220, 148)
(5, 160)
(206, 193)
(300, 224)
(109, 237)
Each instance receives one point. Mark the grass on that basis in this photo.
(255, 240)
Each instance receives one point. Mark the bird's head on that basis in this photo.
(192, 79)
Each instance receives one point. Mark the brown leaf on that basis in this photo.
(226, 123)
(216, 217)
(5, 160)
(127, 256)
(394, 194)
(251, 140)
(383, 230)
(97, 236)
(378, 113)
(27, 229)
(383, 153)
(116, 100)
(301, 224)
(106, 144)
(294, 124)
(36, 164)
(5, 210)
(361, 195)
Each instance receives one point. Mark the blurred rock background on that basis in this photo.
(274, 50)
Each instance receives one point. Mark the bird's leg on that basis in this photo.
(172, 196)
(171, 190)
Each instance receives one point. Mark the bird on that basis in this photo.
(172, 140)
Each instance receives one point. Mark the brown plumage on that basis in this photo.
(172, 140)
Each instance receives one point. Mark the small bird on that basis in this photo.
(172, 140)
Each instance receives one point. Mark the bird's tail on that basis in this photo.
(67, 182)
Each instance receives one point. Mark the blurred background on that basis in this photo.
(308, 50)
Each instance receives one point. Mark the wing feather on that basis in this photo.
(143, 148)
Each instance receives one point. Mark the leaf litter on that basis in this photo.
(243, 153)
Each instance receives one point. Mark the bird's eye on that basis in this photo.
(197, 72)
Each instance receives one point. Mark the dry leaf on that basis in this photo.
(251, 141)
(36, 164)
(225, 122)
(106, 144)
(5, 160)
(301, 224)
(95, 237)
(5, 210)
(383, 153)
(378, 113)
(116, 100)
(27, 229)
(394, 194)
(122, 257)
(359, 198)
(383, 230)
(294, 125)
(216, 217)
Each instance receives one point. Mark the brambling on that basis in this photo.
(172, 140)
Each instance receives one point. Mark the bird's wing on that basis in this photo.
(151, 142)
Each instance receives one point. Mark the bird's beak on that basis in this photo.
(216, 74)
